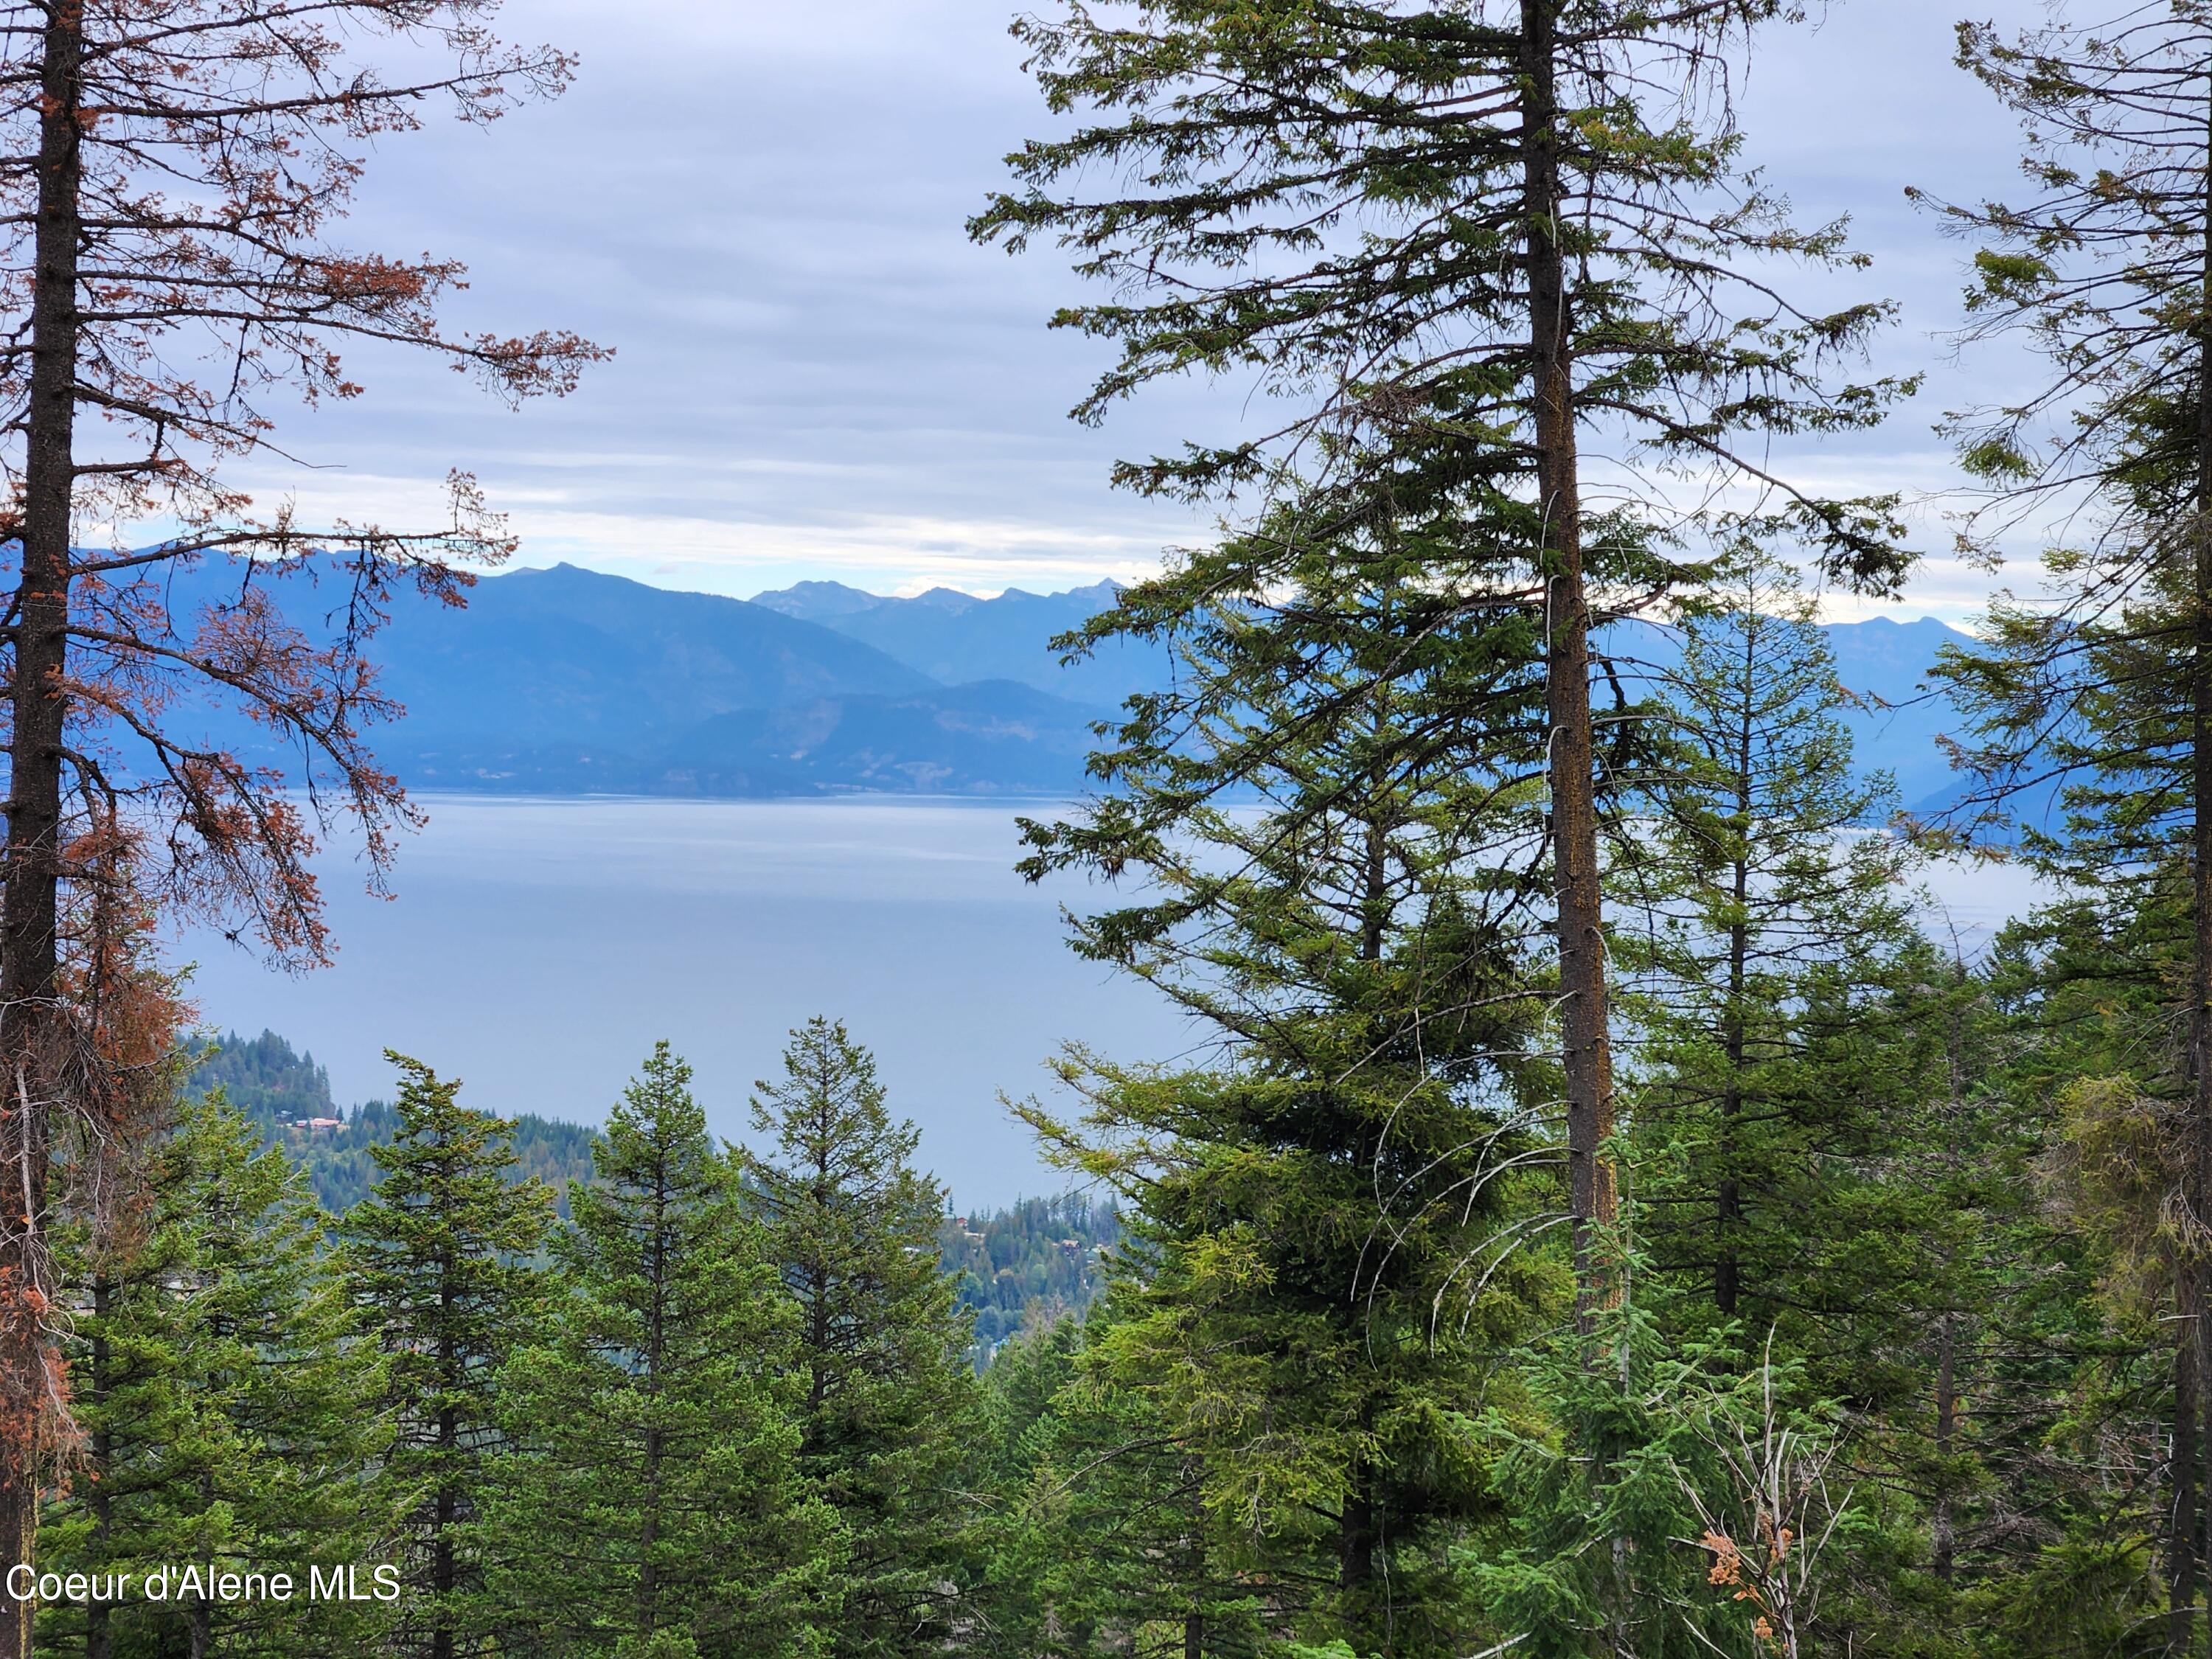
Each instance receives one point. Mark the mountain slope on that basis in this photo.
(567, 654)
(1884, 664)
(566, 682)
(563, 680)
(958, 638)
(287, 1096)
(991, 738)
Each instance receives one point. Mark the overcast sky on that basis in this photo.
(759, 205)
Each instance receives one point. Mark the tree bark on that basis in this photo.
(1584, 1041)
(443, 1576)
(1944, 1529)
(30, 1034)
(1356, 1536)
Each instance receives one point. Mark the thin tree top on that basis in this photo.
(2101, 264)
(1343, 202)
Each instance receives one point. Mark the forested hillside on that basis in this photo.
(1043, 1260)
(286, 1097)
(1039, 1261)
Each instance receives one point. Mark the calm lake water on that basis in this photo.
(536, 949)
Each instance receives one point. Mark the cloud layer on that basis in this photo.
(760, 207)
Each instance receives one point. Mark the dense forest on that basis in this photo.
(286, 1097)
(1606, 1207)
(1042, 1259)
(1039, 1262)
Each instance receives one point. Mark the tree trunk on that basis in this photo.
(453, 1377)
(1586, 1049)
(1357, 1521)
(1356, 1536)
(659, 1264)
(30, 1033)
(1728, 1269)
(1194, 1566)
(442, 1579)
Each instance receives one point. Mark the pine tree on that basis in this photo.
(1106, 1539)
(656, 1510)
(1452, 240)
(234, 1414)
(2099, 692)
(1768, 921)
(1018, 1540)
(437, 1261)
(888, 1402)
(1325, 1219)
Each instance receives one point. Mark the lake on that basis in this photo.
(536, 949)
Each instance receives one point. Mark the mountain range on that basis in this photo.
(567, 681)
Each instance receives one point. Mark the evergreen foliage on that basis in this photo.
(887, 1406)
(1320, 1223)
(435, 1259)
(231, 1409)
(2090, 704)
(656, 1506)
(1766, 1103)
(282, 1092)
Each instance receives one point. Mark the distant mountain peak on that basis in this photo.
(817, 601)
(949, 598)
(811, 601)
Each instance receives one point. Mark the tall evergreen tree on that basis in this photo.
(1765, 921)
(2045, 1463)
(233, 1414)
(656, 1510)
(2102, 695)
(1454, 239)
(1102, 1539)
(1016, 1538)
(436, 1259)
(888, 1403)
(1325, 1221)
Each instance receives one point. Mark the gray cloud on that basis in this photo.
(760, 206)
